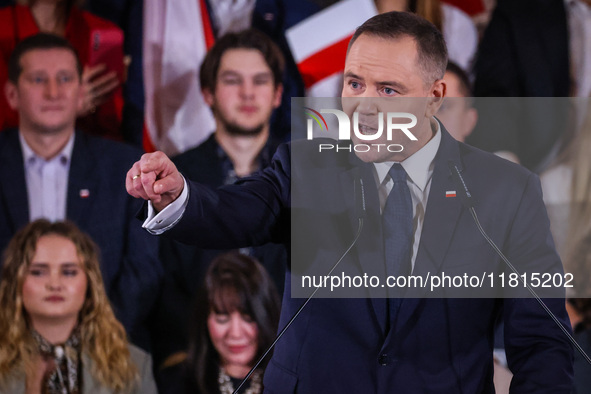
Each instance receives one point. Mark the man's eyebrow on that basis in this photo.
(229, 73)
(34, 72)
(263, 74)
(397, 85)
(350, 74)
(38, 265)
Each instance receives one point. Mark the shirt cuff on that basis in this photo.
(166, 219)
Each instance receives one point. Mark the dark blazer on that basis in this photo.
(524, 53)
(91, 385)
(129, 256)
(436, 345)
(185, 265)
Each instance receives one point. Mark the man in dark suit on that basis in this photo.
(365, 345)
(49, 170)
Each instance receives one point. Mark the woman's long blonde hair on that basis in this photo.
(103, 337)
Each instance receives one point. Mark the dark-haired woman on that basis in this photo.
(236, 317)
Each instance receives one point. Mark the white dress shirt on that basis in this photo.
(47, 181)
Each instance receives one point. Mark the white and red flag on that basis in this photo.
(177, 35)
(319, 44)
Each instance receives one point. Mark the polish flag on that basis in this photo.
(177, 34)
(319, 44)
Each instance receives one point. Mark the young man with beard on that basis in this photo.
(241, 81)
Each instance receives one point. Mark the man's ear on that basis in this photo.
(436, 96)
(207, 96)
(277, 96)
(11, 93)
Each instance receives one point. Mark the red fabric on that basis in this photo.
(207, 29)
(17, 23)
(147, 142)
(470, 7)
(324, 63)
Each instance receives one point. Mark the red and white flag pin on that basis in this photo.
(450, 193)
(84, 193)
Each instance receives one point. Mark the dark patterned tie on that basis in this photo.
(397, 229)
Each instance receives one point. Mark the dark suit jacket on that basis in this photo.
(524, 53)
(582, 376)
(185, 265)
(91, 385)
(129, 257)
(436, 345)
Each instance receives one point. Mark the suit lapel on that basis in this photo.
(14, 386)
(89, 384)
(441, 218)
(13, 181)
(82, 186)
(369, 247)
(442, 212)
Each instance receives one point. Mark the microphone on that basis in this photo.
(360, 213)
(466, 198)
(465, 194)
(359, 195)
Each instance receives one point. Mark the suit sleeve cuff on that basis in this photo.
(166, 219)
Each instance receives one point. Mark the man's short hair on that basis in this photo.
(38, 41)
(431, 48)
(465, 85)
(246, 39)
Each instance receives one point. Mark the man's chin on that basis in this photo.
(244, 131)
(52, 128)
(370, 156)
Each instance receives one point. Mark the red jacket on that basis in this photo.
(18, 23)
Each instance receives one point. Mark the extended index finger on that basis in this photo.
(156, 162)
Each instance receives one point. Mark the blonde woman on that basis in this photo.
(58, 333)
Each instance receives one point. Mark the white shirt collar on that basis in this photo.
(29, 154)
(419, 165)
